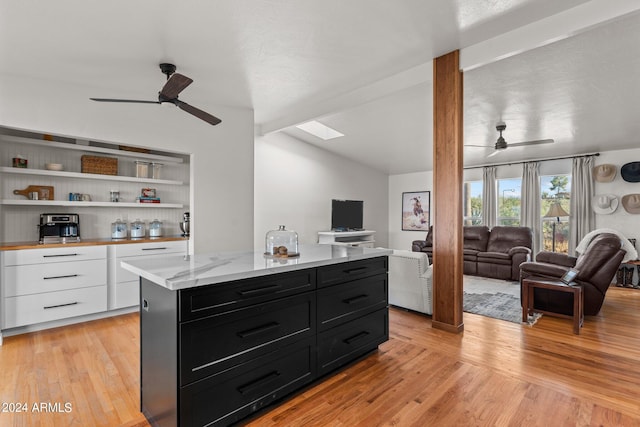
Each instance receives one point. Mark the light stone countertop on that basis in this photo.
(175, 272)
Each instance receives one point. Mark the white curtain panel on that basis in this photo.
(489, 196)
(530, 202)
(583, 219)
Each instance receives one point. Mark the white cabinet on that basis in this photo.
(364, 238)
(42, 285)
(124, 286)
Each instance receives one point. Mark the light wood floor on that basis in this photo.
(495, 373)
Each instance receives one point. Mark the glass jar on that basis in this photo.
(155, 228)
(281, 242)
(137, 229)
(155, 170)
(114, 195)
(119, 229)
(142, 169)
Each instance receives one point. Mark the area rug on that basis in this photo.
(495, 298)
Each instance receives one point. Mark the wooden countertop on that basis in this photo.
(12, 246)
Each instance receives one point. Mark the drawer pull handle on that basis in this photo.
(60, 305)
(61, 277)
(154, 249)
(357, 299)
(259, 330)
(258, 291)
(263, 380)
(55, 256)
(355, 270)
(356, 337)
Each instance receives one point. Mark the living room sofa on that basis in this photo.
(495, 253)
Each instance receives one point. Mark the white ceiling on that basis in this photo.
(361, 66)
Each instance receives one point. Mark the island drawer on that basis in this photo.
(341, 303)
(233, 394)
(206, 301)
(218, 342)
(344, 343)
(343, 272)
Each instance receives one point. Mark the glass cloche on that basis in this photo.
(281, 242)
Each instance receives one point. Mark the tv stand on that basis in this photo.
(363, 238)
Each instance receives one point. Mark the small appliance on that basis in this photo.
(59, 228)
(184, 225)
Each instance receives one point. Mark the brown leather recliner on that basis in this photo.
(495, 253)
(425, 246)
(597, 267)
(475, 241)
(508, 247)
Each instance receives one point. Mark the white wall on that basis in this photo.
(222, 156)
(398, 184)
(620, 220)
(295, 182)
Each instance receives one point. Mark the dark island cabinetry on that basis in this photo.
(214, 354)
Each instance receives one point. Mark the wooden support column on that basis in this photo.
(448, 182)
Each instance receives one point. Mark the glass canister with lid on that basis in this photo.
(142, 169)
(119, 229)
(155, 228)
(281, 242)
(137, 229)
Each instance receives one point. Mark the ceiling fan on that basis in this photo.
(175, 84)
(502, 145)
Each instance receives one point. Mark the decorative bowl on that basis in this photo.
(53, 166)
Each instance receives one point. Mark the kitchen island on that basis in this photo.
(225, 334)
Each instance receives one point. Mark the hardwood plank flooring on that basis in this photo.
(495, 373)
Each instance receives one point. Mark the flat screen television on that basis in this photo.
(346, 215)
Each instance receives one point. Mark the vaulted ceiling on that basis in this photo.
(360, 66)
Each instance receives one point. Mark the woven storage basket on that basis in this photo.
(100, 165)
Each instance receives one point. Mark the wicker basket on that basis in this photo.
(99, 165)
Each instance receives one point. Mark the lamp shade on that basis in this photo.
(556, 211)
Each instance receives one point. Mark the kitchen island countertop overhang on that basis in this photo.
(182, 272)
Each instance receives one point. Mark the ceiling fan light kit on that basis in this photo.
(168, 95)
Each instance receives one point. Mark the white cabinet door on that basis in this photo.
(35, 279)
(124, 286)
(54, 255)
(31, 309)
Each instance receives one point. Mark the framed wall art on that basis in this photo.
(415, 211)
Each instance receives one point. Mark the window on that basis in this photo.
(509, 201)
(554, 212)
(472, 207)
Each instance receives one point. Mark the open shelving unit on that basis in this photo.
(18, 214)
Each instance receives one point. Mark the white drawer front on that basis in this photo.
(127, 294)
(34, 279)
(139, 249)
(51, 255)
(146, 251)
(30, 309)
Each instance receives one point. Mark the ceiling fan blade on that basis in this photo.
(213, 120)
(495, 152)
(124, 100)
(479, 146)
(176, 84)
(538, 141)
